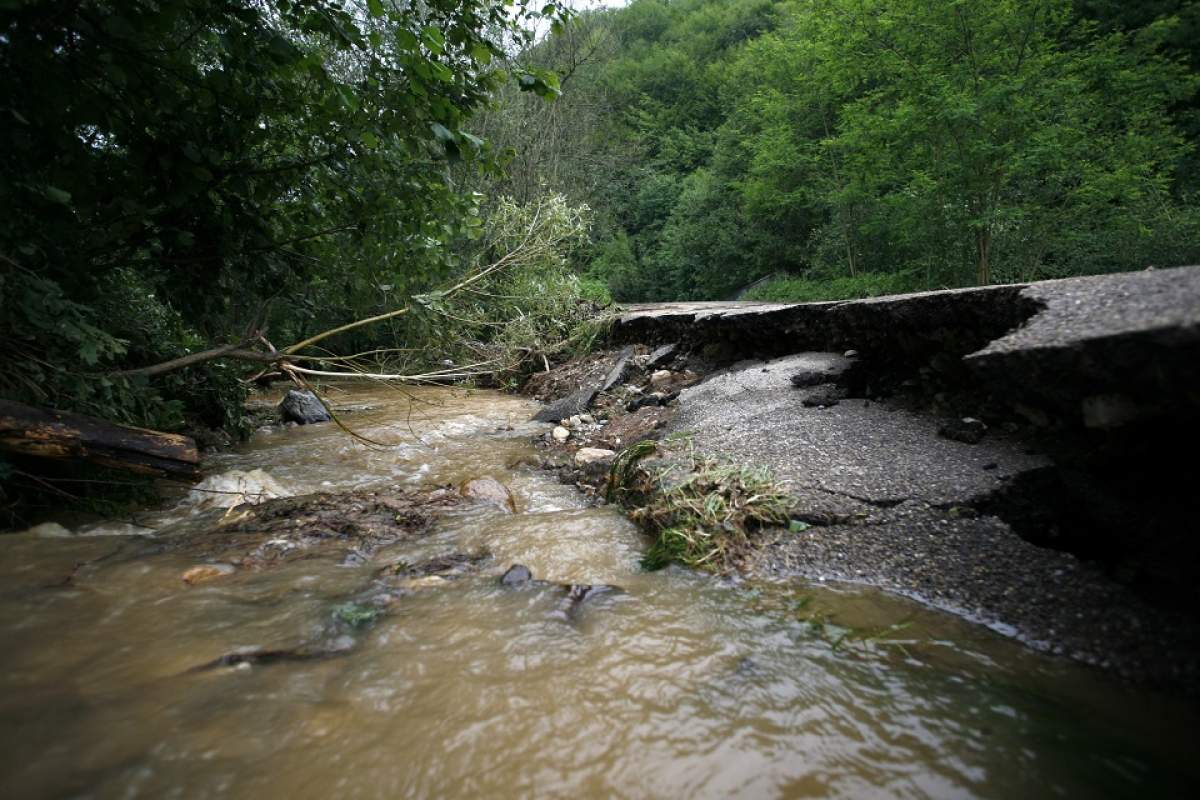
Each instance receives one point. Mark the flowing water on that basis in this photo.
(682, 685)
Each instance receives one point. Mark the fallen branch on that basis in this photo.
(60, 435)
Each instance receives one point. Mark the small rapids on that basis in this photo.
(390, 660)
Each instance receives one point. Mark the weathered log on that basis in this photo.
(61, 435)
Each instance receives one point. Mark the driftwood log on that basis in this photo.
(61, 435)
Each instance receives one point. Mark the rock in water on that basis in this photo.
(303, 407)
(517, 575)
(207, 572)
(235, 487)
(577, 594)
(491, 491)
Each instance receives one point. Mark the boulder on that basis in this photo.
(517, 575)
(660, 378)
(489, 490)
(572, 404)
(619, 371)
(589, 456)
(824, 396)
(302, 407)
(661, 356)
(203, 573)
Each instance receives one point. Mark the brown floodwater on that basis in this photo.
(682, 685)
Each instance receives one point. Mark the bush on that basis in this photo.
(811, 290)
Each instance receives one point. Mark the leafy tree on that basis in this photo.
(209, 167)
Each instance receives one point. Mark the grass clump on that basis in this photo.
(702, 510)
(794, 289)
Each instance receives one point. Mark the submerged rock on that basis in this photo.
(490, 490)
(49, 530)
(446, 567)
(279, 530)
(236, 487)
(203, 573)
(250, 656)
(516, 575)
(579, 593)
(303, 407)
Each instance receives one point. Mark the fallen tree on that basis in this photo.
(533, 235)
(61, 435)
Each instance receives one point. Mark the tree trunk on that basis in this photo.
(59, 435)
(983, 238)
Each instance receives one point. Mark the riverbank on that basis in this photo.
(1005, 454)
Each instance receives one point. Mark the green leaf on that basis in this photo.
(796, 526)
(441, 132)
(480, 52)
(434, 39)
(56, 195)
(375, 7)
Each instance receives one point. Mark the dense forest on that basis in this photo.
(851, 147)
(186, 180)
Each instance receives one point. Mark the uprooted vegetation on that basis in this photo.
(702, 510)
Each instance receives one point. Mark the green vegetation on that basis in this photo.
(702, 510)
(183, 173)
(858, 147)
(179, 176)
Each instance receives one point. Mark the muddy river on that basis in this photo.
(112, 682)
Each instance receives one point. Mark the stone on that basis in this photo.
(814, 369)
(619, 371)
(579, 593)
(575, 403)
(560, 434)
(49, 530)
(207, 572)
(661, 356)
(587, 419)
(850, 354)
(575, 421)
(236, 487)
(588, 456)
(823, 396)
(660, 378)
(303, 407)
(489, 490)
(967, 430)
(516, 575)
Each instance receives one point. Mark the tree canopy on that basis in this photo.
(176, 172)
(882, 145)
